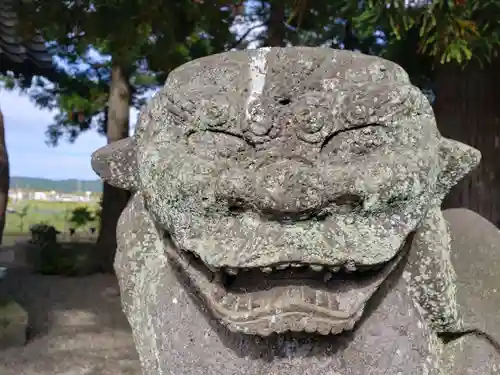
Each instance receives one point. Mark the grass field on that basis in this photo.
(48, 212)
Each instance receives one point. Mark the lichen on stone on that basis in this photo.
(290, 163)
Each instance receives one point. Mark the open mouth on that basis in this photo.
(282, 297)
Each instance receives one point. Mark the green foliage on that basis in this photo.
(443, 30)
(22, 213)
(53, 212)
(50, 257)
(321, 23)
(146, 39)
(81, 216)
(449, 31)
(42, 234)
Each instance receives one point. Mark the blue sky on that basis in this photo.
(29, 156)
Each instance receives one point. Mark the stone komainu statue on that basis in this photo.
(286, 220)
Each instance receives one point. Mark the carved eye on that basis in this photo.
(214, 112)
(355, 141)
(216, 144)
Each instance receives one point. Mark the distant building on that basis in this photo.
(20, 195)
(40, 196)
(17, 195)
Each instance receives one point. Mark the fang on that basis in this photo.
(231, 271)
(316, 267)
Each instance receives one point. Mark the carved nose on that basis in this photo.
(289, 189)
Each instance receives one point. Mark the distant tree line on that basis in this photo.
(62, 186)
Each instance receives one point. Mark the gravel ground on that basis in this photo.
(76, 326)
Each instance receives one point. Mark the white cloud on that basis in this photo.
(15, 105)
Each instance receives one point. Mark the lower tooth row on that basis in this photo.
(314, 267)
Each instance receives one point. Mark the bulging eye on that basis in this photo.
(216, 144)
(355, 141)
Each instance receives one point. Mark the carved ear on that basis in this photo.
(457, 160)
(116, 163)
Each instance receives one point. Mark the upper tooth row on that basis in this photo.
(314, 267)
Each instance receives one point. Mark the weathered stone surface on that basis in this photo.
(116, 164)
(286, 219)
(431, 275)
(471, 355)
(176, 335)
(13, 324)
(329, 153)
(476, 257)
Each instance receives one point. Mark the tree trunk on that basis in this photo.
(350, 41)
(114, 199)
(4, 177)
(276, 25)
(467, 109)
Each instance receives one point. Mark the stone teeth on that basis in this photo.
(267, 269)
(310, 329)
(231, 270)
(334, 269)
(282, 266)
(212, 268)
(323, 330)
(350, 266)
(296, 265)
(316, 267)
